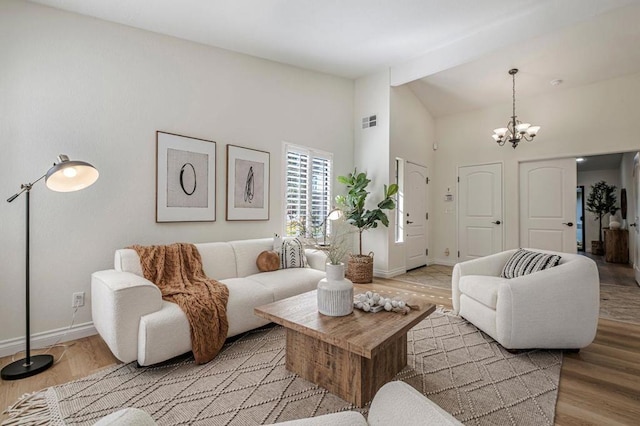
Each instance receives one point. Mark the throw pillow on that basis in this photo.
(292, 254)
(524, 262)
(268, 261)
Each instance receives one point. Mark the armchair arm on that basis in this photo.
(560, 306)
(489, 265)
(119, 299)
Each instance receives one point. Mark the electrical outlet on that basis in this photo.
(78, 299)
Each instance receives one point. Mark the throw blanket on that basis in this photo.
(177, 270)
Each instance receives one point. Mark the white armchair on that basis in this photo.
(556, 308)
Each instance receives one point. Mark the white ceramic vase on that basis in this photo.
(614, 222)
(335, 292)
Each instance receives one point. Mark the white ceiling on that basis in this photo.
(600, 162)
(463, 48)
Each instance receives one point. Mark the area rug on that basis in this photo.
(620, 303)
(451, 361)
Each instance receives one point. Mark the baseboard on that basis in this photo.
(445, 261)
(389, 274)
(41, 340)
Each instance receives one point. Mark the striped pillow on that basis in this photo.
(524, 262)
(292, 254)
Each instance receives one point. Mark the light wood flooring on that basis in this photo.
(600, 385)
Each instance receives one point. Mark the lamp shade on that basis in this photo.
(68, 176)
(334, 214)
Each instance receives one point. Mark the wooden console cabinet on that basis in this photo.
(616, 245)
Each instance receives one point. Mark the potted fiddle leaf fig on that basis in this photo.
(601, 200)
(360, 267)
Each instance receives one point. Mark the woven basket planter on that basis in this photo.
(360, 268)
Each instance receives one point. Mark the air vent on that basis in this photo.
(369, 121)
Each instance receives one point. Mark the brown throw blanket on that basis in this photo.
(177, 270)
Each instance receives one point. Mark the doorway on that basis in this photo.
(547, 204)
(580, 228)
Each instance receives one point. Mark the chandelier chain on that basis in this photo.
(514, 99)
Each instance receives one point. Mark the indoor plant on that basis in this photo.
(355, 213)
(601, 200)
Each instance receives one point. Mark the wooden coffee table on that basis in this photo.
(350, 356)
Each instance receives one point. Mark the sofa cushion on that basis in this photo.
(164, 334)
(397, 403)
(247, 252)
(218, 260)
(481, 288)
(289, 282)
(292, 254)
(525, 262)
(345, 418)
(244, 295)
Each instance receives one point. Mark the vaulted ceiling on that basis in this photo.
(455, 54)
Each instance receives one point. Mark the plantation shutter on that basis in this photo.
(308, 191)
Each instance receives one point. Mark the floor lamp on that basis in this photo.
(334, 214)
(64, 176)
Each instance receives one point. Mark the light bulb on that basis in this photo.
(70, 172)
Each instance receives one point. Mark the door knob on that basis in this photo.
(409, 222)
(570, 224)
(497, 222)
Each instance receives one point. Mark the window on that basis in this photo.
(307, 190)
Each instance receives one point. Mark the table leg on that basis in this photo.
(352, 377)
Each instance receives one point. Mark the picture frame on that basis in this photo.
(248, 181)
(185, 178)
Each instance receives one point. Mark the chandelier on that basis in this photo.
(515, 131)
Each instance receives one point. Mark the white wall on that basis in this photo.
(412, 138)
(371, 155)
(591, 224)
(595, 119)
(98, 92)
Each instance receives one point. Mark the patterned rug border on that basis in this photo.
(43, 407)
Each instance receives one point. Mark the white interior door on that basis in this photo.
(415, 215)
(634, 227)
(548, 205)
(480, 220)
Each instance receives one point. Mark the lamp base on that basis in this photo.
(18, 370)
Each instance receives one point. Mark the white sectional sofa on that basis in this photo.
(134, 321)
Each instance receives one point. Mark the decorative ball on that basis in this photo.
(366, 307)
(369, 294)
(359, 305)
(394, 303)
(401, 304)
(268, 261)
(388, 307)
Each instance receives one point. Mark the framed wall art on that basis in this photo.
(247, 184)
(185, 179)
